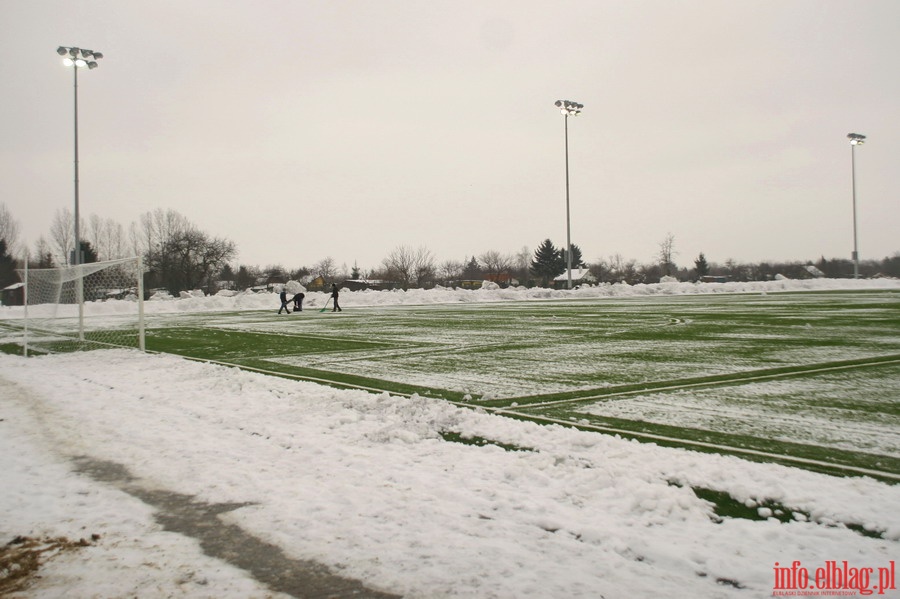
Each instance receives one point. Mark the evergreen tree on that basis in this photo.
(8, 274)
(354, 274)
(548, 262)
(244, 279)
(227, 273)
(88, 253)
(472, 270)
(577, 259)
(701, 265)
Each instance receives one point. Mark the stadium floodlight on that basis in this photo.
(77, 58)
(567, 109)
(856, 139)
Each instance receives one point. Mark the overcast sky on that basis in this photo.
(307, 129)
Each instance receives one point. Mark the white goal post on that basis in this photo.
(83, 307)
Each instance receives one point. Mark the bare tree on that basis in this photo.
(9, 230)
(410, 267)
(495, 263)
(619, 270)
(451, 270)
(425, 270)
(522, 261)
(399, 264)
(107, 237)
(325, 268)
(135, 240)
(159, 228)
(62, 235)
(667, 254)
(43, 254)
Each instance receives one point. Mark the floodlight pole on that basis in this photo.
(568, 219)
(567, 109)
(78, 58)
(76, 259)
(855, 140)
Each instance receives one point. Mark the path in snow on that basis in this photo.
(267, 563)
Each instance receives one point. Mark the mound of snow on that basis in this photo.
(294, 287)
(247, 300)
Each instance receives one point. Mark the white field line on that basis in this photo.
(411, 350)
(601, 429)
(728, 381)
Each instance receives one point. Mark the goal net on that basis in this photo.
(84, 307)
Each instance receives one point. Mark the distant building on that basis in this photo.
(713, 279)
(316, 284)
(14, 295)
(466, 284)
(363, 284)
(502, 279)
(580, 276)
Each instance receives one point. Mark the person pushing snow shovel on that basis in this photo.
(334, 296)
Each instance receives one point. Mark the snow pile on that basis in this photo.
(367, 485)
(195, 301)
(294, 287)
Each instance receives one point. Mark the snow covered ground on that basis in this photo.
(366, 485)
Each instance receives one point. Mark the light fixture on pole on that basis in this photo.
(855, 140)
(78, 58)
(567, 109)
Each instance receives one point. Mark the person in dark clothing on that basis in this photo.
(284, 301)
(298, 302)
(334, 295)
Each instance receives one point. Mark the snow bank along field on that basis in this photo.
(673, 440)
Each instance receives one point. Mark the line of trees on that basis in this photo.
(179, 256)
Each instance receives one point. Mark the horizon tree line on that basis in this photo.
(179, 256)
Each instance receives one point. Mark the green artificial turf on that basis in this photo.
(813, 376)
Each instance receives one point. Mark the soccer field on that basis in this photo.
(811, 379)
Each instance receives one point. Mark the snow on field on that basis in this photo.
(817, 414)
(366, 485)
